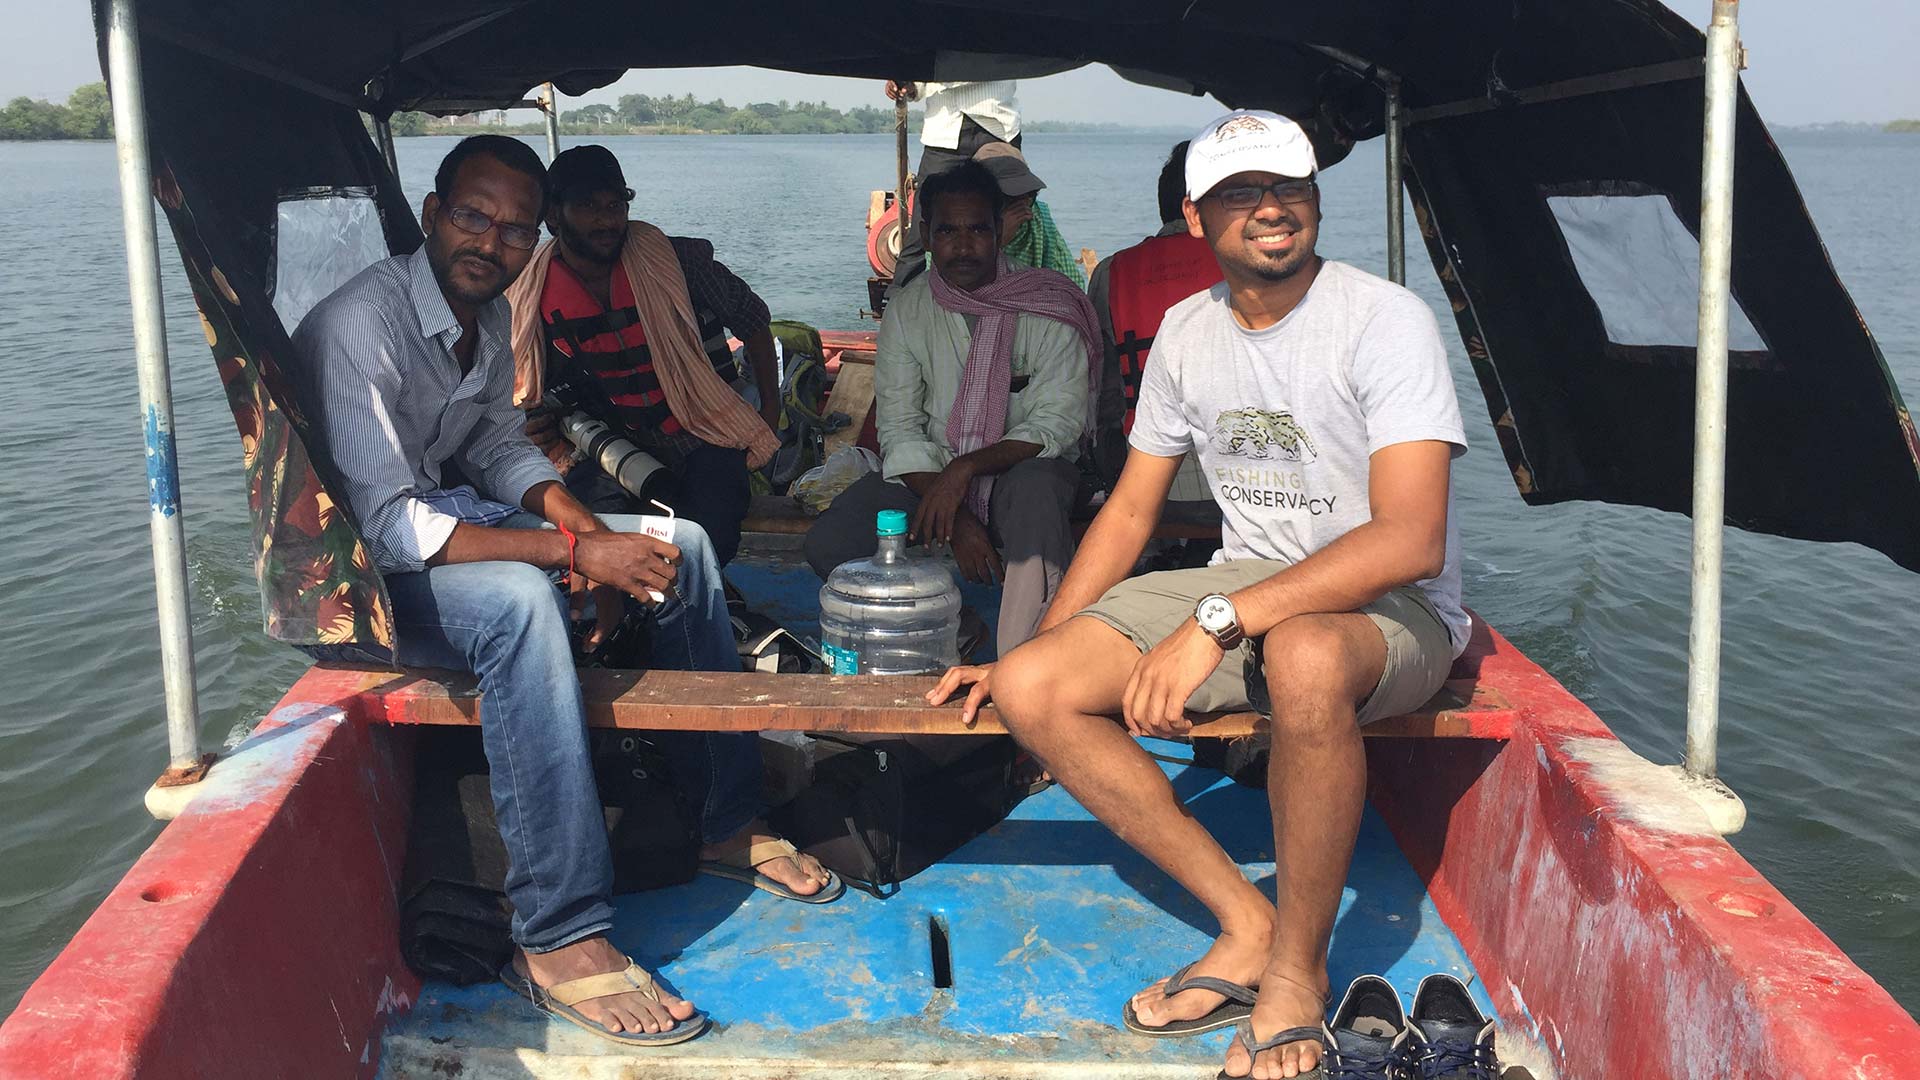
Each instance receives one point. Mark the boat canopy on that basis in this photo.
(1552, 159)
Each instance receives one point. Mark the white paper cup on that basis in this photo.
(660, 527)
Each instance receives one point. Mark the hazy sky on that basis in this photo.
(1839, 60)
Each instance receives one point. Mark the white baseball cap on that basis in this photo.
(1247, 140)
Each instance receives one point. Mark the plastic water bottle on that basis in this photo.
(890, 614)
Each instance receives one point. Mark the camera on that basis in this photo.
(583, 408)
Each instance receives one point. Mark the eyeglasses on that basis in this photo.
(1248, 196)
(469, 220)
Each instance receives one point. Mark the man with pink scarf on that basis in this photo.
(982, 390)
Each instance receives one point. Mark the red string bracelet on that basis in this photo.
(572, 540)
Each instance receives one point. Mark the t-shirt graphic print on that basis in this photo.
(1262, 434)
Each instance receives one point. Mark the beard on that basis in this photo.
(1270, 270)
(1297, 258)
(581, 242)
(457, 279)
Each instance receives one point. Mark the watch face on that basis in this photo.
(1215, 613)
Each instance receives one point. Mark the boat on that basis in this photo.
(1588, 895)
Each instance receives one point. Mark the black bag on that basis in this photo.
(883, 808)
(649, 832)
(766, 646)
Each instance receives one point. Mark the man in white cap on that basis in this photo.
(1320, 404)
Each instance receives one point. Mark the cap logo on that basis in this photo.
(1240, 125)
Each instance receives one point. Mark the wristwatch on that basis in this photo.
(1216, 616)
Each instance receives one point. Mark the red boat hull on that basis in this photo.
(258, 936)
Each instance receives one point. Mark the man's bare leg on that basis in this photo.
(1318, 668)
(1058, 694)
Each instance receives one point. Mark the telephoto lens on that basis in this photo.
(633, 468)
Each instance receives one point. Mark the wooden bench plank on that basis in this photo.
(861, 342)
(749, 701)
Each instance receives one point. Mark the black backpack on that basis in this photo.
(883, 808)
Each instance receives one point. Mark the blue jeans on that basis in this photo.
(507, 623)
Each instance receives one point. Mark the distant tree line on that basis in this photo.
(86, 114)
(1905, 127)
(668, 115)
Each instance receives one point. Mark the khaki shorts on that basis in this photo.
(1150, 607)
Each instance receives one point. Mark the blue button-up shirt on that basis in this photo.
(381, 384)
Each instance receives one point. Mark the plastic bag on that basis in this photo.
(820, 485)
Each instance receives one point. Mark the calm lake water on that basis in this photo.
(1821, 709)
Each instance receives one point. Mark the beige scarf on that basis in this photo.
(704, 405)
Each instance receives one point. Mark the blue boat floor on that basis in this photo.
(1051, 922)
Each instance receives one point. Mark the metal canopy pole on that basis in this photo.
(548, 106)
(1710, 390)
(383, 135)
(1396, 203)
(900, 172)
(156, 395)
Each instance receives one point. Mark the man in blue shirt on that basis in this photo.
(407, 369)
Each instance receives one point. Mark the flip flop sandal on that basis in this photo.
(1237, 1007)
(1256, 1047)
(560, 998)
(739, 866)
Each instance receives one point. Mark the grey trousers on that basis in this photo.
(1028, 524)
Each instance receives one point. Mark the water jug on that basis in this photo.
(890, 614)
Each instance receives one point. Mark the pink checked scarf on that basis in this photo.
(979, 416)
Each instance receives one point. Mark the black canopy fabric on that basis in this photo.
(1511, 104)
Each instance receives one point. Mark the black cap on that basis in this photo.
(582, 170)
(1009, 166)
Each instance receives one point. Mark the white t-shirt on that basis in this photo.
(1285, 419)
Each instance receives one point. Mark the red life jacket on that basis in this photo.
(1143, 281)
(613, 345)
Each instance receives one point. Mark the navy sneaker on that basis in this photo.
(1367, 1039)
(1448, 1038)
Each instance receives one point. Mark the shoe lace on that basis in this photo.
(1454, 1058)
(1354, 1065)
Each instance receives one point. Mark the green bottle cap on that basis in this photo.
(890, 523)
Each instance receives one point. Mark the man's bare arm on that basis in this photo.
(1405, 542)
(636, 564)
(1116, 538)
(943, 494)
(544, 548)
(1106, 555)
(986, 461)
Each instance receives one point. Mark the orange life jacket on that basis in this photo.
(1143, 281)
